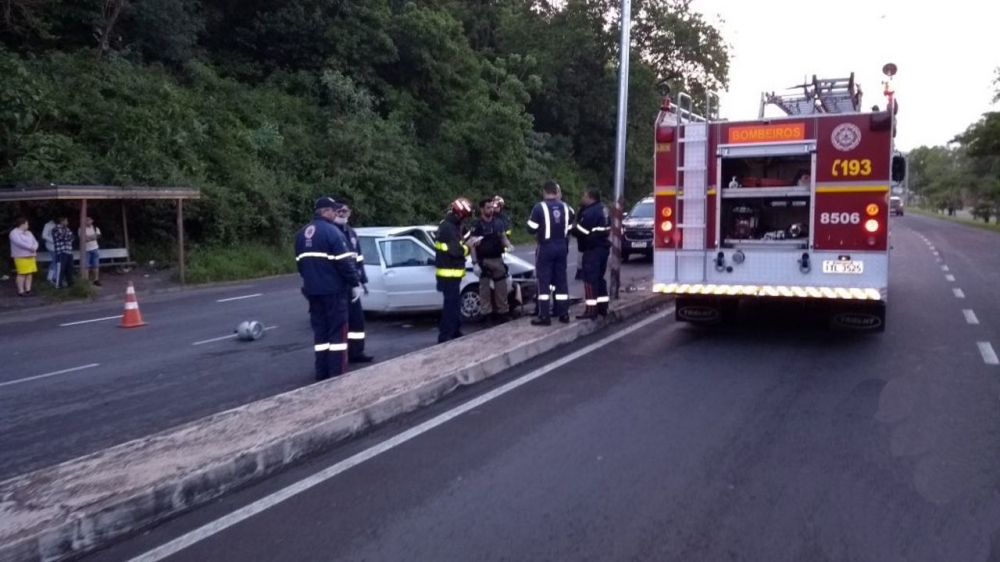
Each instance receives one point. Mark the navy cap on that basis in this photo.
(326, 202)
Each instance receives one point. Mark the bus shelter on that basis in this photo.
(87, 193)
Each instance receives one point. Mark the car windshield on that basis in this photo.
(643, 210)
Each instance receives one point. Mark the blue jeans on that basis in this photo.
(53, 274)
(93, 259)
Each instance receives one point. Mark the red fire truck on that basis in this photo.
(794, 207)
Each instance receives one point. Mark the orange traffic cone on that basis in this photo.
(132, 318)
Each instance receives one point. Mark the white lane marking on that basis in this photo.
(970, 317)
(989, 356)
(230, 336)
(47, 375)
(936, 254)
(90, 321)
(958, 293)
(241, 298)
(265, 503)
(950, 278)
(945, 268)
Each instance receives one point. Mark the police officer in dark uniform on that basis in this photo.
(593, 233)
(550, 222)
(449, 260)
(329, 280)
(355, 312)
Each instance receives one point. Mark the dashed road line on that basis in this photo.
(958, 293)
(47, 375)
(950, 278)
(246, 512)
(241, 298)
(970, 316)
(945, 268)
(989, 356)
(90, 321)
(230, 336)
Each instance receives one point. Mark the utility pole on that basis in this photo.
(616, 219)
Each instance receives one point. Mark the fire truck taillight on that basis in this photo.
(666, 226)
(872, 226)
(667, 212)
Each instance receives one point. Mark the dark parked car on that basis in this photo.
(638, 230)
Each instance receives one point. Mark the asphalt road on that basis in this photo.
(769, 439)
(72, 382)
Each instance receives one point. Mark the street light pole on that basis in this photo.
(619, 197)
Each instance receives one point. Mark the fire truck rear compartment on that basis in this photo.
(766, 200)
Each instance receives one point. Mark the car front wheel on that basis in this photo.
(471, 306)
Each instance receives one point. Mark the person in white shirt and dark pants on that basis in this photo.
(93, 250)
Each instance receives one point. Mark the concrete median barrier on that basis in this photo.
(77, 506)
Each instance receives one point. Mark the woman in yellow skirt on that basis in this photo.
(23, 248)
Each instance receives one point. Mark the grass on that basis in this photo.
(961, 220)
(250, 261)
(79, 290)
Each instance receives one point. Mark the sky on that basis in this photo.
(946, 53)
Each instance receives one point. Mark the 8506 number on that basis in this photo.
(840, 218)
(851, 167)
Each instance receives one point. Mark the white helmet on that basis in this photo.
(250, 330)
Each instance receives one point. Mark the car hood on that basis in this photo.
(637, 223)
(515, 264)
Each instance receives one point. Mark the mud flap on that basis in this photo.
(859, 318)
(699, 310)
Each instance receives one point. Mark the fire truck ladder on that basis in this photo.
(833, 95)
(691, 261)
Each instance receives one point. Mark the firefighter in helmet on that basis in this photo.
(500, 211)
(449, 261)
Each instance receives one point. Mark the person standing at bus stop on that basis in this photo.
(23, 248)
(93, 250)
(329, 280)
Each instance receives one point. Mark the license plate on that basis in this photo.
(639, 244)
(843, 267)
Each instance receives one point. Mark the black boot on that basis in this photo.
(602, 308)
(541, 321)
(362, 358)
(564, 318)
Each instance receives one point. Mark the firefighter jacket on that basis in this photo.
(354, 246)
(550, 220)
(449, 250)
(326, 264)
(593, 227)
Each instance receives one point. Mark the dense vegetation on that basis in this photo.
(966, 172)
(398, 104)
